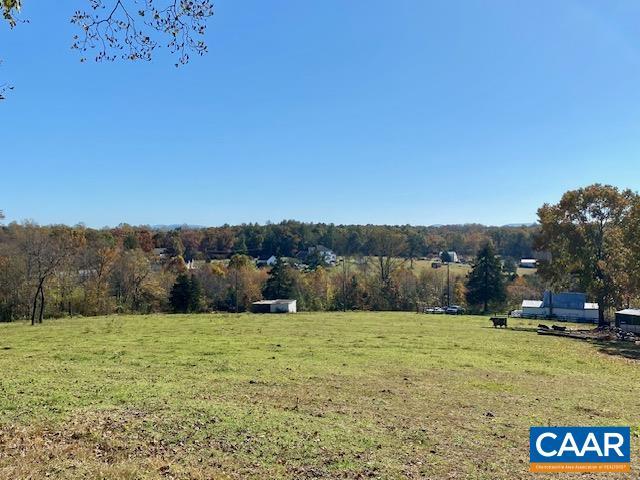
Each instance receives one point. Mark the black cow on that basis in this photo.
(499, 322)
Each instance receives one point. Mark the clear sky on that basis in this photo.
(340, 111)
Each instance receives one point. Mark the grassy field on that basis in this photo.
(325, 395)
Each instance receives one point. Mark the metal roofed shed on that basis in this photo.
(275, 306)
(528, 263)
(628, 320)
(566, 306)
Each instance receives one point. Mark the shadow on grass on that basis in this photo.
(621, 349)
(609, 347)
(513, 329)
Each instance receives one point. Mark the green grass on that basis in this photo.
(456, 269)
(317, 395)
(523, 272)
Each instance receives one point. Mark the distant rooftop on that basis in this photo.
(279, 301)
(532, 303)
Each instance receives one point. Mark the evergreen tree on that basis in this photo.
(186, 294)
(195, 294)
(485, 282)
(240, 246)
(280, 282)
(181, 294)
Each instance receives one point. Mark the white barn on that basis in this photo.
(275, 306)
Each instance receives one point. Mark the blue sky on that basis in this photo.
(417, 112)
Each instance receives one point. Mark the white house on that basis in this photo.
(275, 306)
(567, 306)
(271, 261)
(327, 255)
(453, 257)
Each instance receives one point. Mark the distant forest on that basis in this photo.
(53, 271)
(289, 237)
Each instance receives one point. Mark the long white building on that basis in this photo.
(568, 306)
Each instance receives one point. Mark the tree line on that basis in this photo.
(588, 242)
(50, 271)
(287, 238)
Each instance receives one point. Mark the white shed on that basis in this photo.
(275, 306)
(528, 263)
(534, 309)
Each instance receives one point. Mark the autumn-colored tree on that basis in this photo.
(432, 287)
(13, 289)
(584, 234)
(459, 292)
(245, 282)
(145, 240)
(388, 247)
(129, 279)
(523, 288)
(407, 289)
(176, 265)
(313, 289)
(45, 251)
(631, 279)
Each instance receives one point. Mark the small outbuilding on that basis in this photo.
(275, 306)
(528, 263)
(628, 320)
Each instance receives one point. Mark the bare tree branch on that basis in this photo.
(4, 88)
(116, 29)
(125, 28)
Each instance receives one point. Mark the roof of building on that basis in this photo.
(630, 311)
(567, 300)
(531, 303)
(591, 306)
(273, 302)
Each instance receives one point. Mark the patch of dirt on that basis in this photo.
(108, 445)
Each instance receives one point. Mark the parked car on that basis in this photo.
(454, 310)
(516, 314)
(438, 310)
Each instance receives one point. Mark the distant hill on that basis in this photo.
(174, 226)
(517, 225)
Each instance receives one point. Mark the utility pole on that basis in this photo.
(448, 286)
(236, 281)
(344, 284)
